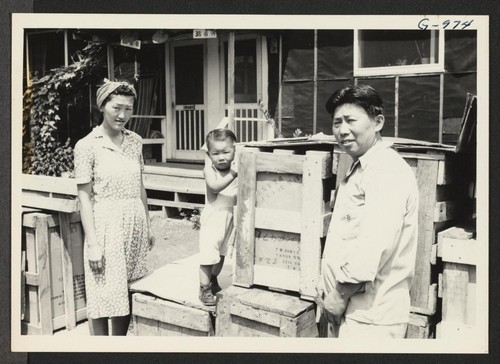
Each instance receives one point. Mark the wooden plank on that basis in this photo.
(439, 156)
(67, 271)
(426, 180)
(419, 327)
(306, 324)
(446, 211)
(270, 162)
(166, 329)
(262, 316)
(282, 304)
(23, 283)
(312, 222)
(230, 79)
(454, 330)
(459, 285)
(169, 312)
(65, 186)
(43, 269)
(36, 200)
(145, 327)
(276, 277)
(274, 191)
(174, 184)
(281, 220)
(283, 151)
(177, 204)
(325, 159)
(460, 251)
(245, 224)
(31, 313)
(192, 171)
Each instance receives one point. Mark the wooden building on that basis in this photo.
(191, 81)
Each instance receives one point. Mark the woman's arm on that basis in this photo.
(87, 217)
(144, 199)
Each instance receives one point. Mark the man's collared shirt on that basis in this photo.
(373, 236)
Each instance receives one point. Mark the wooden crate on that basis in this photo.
(54, 281)
(153, 316)
(421, 327)
(256, 312)
(439, 207)
(282, 215)
(459, 251)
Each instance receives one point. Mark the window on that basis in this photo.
(245, 71)
(393, 52)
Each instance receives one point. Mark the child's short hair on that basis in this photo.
(219, 135)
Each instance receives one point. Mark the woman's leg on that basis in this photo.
(119, 325)
(99, 326)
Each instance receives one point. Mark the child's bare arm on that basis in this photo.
(215, 184)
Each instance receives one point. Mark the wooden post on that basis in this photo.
(427, 174)
(43, 269)
(245, 226)
(67, 271)
(312, 222)
(230, 80)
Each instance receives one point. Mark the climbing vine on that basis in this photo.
(45, 154)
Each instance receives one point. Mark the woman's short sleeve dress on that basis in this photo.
(119, 218)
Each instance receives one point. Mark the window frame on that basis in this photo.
(398, 70)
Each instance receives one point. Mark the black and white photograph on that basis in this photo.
(249, 183)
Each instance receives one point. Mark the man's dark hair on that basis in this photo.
(361, 95)
(219, 135)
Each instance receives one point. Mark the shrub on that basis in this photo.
(44, 154)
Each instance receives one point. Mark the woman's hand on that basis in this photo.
(151, 242)
(94, 255)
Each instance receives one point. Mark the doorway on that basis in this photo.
(188, 87)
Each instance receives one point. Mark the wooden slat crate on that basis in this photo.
(421, 327)
(54, 275)
(153, 316)
(260, 313)
(282, 215)
(439, 207)
(459, 251)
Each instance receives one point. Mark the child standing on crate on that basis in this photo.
(217, 228)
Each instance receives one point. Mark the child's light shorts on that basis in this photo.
(216, 233)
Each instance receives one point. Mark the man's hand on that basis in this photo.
(333, 306)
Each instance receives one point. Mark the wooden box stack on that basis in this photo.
(459, 252)
(257, 312)
(54, 284)
(439, 208)
(282, 215)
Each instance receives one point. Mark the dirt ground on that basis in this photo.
(175, 238)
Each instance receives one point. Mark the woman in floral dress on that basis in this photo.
(113, 209)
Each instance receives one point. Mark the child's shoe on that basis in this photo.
(214, 285)
(206, 296)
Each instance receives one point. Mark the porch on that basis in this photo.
(174, 186)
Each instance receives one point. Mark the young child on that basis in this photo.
(217, 229)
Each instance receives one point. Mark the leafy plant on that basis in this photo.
(269, 119)
(193, 216)
(45, 154)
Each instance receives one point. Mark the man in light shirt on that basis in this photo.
(369, 256)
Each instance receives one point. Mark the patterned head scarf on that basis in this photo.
(108, 88)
